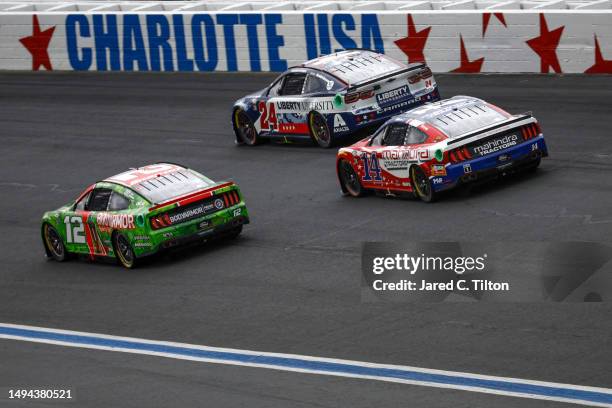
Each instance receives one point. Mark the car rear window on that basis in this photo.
(467, 119)
(172, 185)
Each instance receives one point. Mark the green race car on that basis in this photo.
(141, 211)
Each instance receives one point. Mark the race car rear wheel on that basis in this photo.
(319, 130)
(123, 250)
(244, 128)
(234, 232)
(54, 244)
(349, 179)
(421, 184)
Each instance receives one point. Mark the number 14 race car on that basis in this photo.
(438, 146)
(332, 96)
(141, 211)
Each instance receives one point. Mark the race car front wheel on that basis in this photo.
(421, 184)
(54, 244)
(123, 251)
(244, 128)
(349, 179)
(319, 130)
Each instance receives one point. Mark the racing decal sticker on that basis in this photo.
(371, 168)
(339, 124)
(115, 221)
(321, 105)
(392, 96)
(495, 145)
(438, 170)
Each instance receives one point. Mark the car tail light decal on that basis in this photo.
(531, 130)
(194, 210)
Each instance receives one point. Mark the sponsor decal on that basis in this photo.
(205, 224)
(115, 221)
(339, 124)
(196, 211)
(143, 244)
(305, 106)
(467, 168)
(237, 212)
(438, 170)
(437, 180)
(503, 157)
(392, 96)
(410, 154)
(496, 145)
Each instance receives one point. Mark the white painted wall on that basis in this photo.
(248, 40)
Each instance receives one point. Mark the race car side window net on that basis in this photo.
(293, 84)
(396, 134)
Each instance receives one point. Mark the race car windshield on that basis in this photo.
(172, 185)
(467, 119)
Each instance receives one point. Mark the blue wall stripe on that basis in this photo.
(318, 365)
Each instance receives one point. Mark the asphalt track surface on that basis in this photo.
(291, 283)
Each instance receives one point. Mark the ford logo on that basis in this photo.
(218, 203)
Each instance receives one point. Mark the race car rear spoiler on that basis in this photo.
(361, 84)
(514, 122)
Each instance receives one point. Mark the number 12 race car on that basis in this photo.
(439, 146)
(141, 211)
(332, 96)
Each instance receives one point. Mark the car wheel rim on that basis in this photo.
(54, 242)
(245, 127)
(124, 251)
(421, 183)
(319, 128)
(350, 178)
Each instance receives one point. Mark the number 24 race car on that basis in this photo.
(438, 146)
(141, 211)
(332, 96)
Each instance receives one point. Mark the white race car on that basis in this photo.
(333, 96)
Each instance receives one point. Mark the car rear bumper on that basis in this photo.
(201, 228)
(504, 161)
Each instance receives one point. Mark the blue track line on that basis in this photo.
(506, 386)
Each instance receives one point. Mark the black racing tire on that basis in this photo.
(533, 167)
(349, 179)
(421, 184)
(234, 232)
(319, 131)
(244, 128)
(123, 251)
(54, 245)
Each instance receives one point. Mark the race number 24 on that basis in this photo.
(267, 119)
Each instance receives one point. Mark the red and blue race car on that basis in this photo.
(440, 145)
(333, 96)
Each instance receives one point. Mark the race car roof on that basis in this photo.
(161, 182)
(355, 66)
(456, 116)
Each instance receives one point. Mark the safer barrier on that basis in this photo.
(568, 41)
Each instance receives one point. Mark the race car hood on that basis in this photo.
(249, 99)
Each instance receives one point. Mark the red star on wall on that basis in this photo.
(546, 46)
(485, 21)
(468, 66)
(414, 43)
(601, 66)
(37, 45)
